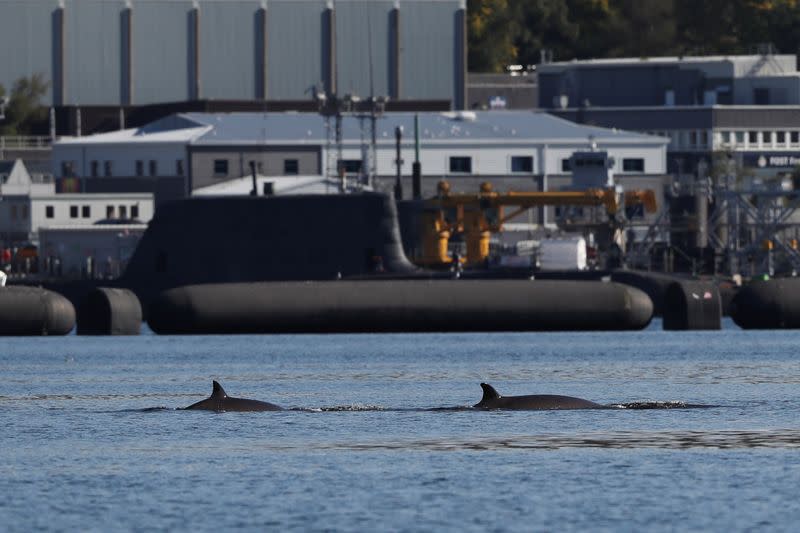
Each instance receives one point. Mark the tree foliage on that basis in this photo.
(503, 32)
(24, 109)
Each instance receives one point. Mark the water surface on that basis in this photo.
(378, 434)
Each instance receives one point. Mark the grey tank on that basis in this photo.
(492, 400)
(220, 401)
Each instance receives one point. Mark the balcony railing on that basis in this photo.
(24, 142)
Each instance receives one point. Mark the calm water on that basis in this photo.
(366, 447)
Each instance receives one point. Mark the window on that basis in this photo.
(794, 137)
(290, 166)
(68, 169)
(13, 212)
(94, 166)
(767, 137)
(179, 167)
(350, 166)
(780, 137)
(752, 137)
(220, 167)
(693, 139)
(49, 211)
(565, 165)
(703, 139)
(24, 214)
(107, 168)
(139, 167)
(740, 137)
(123, 211)
(73, 211)
(134, 211)
(153, 167)
(462, 165)
(109, 211)
(633, 165)
(522, 163)
(86, 211)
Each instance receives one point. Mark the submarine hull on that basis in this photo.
(399, 306)
(34, 311)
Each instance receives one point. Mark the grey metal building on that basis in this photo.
(125, 52)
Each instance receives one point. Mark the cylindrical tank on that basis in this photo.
(34, 311)
(692, 305)
(563, 254)
(109, 311)
(399, 306)
(771, 304)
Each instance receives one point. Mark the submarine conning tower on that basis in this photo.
(262, 238)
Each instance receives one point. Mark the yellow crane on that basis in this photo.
(478, 215)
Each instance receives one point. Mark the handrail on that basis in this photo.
(25, 142)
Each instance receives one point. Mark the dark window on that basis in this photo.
(780, 137)
(767, 136)
(73, 211)
(522, 163)
(179, 167)
(123, 211)
(153, 167)
(461, 165)
(220, 167)
(350, 166)
(633, 165)
(752, 137)
(86, 211)
(109, 211)
(107, 168)
(49, 211)
(565, 166)
(68, 169)
(140, 168)
(95, 168)
(290, 166)
(794, 137)
(24, 212)
(134, 211)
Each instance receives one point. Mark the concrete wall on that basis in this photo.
(271, 159)
(123, 157)
(97, 204)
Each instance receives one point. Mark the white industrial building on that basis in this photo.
(29, 206)
(520, 150)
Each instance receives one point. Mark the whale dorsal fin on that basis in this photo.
(218, 391)
(489, 393)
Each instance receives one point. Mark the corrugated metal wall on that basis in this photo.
(294, 48)
(362, 39)
(160, 55)
(92, 55)
(240, 49)
(228, 49)
(427, 59)
(26, 40)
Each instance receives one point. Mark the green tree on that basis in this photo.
(24, 107)
(491, 30)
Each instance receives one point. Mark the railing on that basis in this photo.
(24, 142)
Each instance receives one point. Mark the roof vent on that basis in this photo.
(466, 116)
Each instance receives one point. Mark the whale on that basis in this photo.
(493, 400)
(220, 401)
